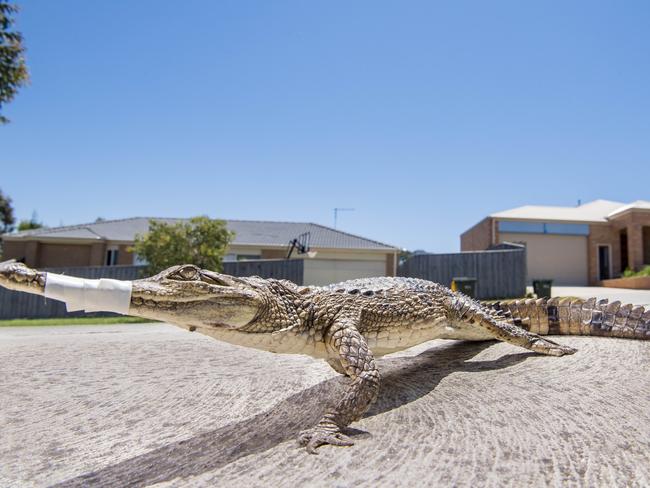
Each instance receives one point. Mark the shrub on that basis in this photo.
(645, 271)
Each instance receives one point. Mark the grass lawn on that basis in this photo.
(74, 321)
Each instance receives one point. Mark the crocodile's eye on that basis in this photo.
(187, 273)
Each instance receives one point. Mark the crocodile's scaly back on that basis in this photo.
(575, 316)
(361, 285)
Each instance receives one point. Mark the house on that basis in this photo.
(335, 255)
(571, 245)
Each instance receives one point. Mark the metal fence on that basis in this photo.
(15, 304)
(280, 269)
(96, 272)
(499, 273)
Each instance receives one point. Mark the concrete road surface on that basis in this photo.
(636, 297)
(143, 405)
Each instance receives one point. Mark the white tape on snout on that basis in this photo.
(103, 295)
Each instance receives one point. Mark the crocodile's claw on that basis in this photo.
(17, 276)
(321, 435)
(6, 266)
(550, 348)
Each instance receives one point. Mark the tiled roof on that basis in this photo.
(249, 232)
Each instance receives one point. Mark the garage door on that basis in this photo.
(561, 258)
(327, 271)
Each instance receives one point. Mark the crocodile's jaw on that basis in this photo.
(194, 303)
(228, 313)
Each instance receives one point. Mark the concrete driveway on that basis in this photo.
(636, 297)
(142, 405)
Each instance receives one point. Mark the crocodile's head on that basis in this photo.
(193, 296)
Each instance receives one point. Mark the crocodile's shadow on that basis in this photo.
(403, 381)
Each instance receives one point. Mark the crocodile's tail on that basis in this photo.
(575, 316)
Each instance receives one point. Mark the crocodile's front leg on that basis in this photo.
(358, 363)
(17, 276)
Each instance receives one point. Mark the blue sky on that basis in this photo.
(423, 116)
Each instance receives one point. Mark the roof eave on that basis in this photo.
(563, 221)
(57, 240)
(320, 248)
(88, 240)
(625, 211)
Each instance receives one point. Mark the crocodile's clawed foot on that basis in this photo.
(12, 272)
(550, 348)
(17, 276)
(5, 266)
(319, 436)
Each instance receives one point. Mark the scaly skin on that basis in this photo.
(575, 316)
(343, 323)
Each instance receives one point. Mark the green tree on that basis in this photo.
(200, 241)
(30, 224)
(7, 219)
(13, 71)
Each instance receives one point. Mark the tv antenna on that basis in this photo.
(336, 213)
(301, 244)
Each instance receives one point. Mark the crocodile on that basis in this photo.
(349, 324)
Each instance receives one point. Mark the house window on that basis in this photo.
(248, 257)
(524, 227)
(111, 256)
(543, 228)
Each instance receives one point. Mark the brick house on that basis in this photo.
(572, 245)
(336, 255)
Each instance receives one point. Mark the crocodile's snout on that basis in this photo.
(174, 291)
(196, 296)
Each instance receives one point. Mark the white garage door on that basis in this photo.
(560, 258)
(327, 271)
